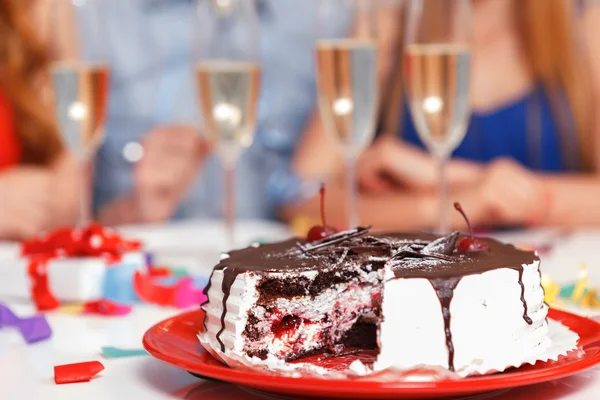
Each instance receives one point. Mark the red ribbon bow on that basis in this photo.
(91, 241)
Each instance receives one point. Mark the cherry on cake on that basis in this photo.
(456, 302)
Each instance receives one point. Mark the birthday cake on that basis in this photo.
(463, 304)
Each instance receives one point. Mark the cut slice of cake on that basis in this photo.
(416, 299)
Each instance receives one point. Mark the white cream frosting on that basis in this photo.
(487, 324)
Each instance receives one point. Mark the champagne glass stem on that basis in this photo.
(84, 194)
(351, 193)
(444, 223)
(230, 204)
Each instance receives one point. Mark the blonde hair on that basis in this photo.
(555, 56)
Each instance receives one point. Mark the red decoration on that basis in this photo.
(106, 307)
(322, 231)
(470, 244)
(40, 292)
(159, 272)
(91, 241)
(180, 295)
(79, 372)
(149, 292)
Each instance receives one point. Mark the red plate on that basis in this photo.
(174, 341)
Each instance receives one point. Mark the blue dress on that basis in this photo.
(524, 130)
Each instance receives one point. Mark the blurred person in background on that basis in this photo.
(532, 152)
(155, 165)
(38, 177)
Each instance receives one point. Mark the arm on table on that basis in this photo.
(574, 200)
(121, 211)
(66, 186)
(173, 157)
(36, 199)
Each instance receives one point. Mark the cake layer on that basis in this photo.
(292, 328)
(286, 327)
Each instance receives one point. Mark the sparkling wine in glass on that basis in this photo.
(347, 82)
(437, 74)
(79, 77)
(228, 84)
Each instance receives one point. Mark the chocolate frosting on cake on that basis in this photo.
(285, 256)
(409, 255)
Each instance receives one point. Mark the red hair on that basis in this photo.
(23, 71)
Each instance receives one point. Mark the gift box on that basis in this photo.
(73, 266)
(76, 279)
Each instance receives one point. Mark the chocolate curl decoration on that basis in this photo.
(79, 372)
(335, 239)
(444, 245)
(406, 252)
(91, 241)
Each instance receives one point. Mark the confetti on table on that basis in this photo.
(33, 329)
(115, 352)
(551, 289)
(7, 317)
(73, 309)
(79, 372)
(106, 308)
(182, 293)
(579, 293)
(179, 272)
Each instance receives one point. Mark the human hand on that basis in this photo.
(26, 202)
(508, 194)
(172, 159)
(390, 164)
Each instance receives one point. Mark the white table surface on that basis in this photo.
(26, 372)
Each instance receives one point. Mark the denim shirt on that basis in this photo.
(152, 83)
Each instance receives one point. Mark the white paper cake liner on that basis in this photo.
(562, 340)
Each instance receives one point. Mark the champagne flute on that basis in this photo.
(437, 72)
(79, 76)
(228, 82)
(347, 82)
